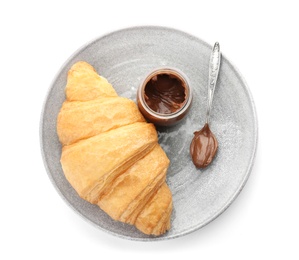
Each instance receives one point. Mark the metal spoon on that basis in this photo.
(204, 145)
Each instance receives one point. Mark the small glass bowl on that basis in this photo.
(160, 118)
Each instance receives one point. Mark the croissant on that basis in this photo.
(110, 154)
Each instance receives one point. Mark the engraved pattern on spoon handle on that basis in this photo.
(214, 67)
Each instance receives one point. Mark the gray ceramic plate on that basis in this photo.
(124, 57)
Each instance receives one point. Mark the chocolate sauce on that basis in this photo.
(165, 94)
(203, 147)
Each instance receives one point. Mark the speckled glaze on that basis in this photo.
(125, 57)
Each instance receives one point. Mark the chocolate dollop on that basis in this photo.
(203, 147)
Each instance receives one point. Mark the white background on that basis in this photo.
(259, 37)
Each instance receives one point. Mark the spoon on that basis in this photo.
(204, 144)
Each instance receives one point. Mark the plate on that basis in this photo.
(125, 57)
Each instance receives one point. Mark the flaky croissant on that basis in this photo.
(111, 155)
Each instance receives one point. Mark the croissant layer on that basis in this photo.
(91, 164)
(80, 120)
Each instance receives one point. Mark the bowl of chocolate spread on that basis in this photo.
(164, 96)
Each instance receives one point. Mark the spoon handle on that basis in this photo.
(214, 67)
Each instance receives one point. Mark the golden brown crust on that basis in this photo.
(155, 217)
(91, 164)
(83, 83)
(80, 120)
(135, 185)
(110, 155)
